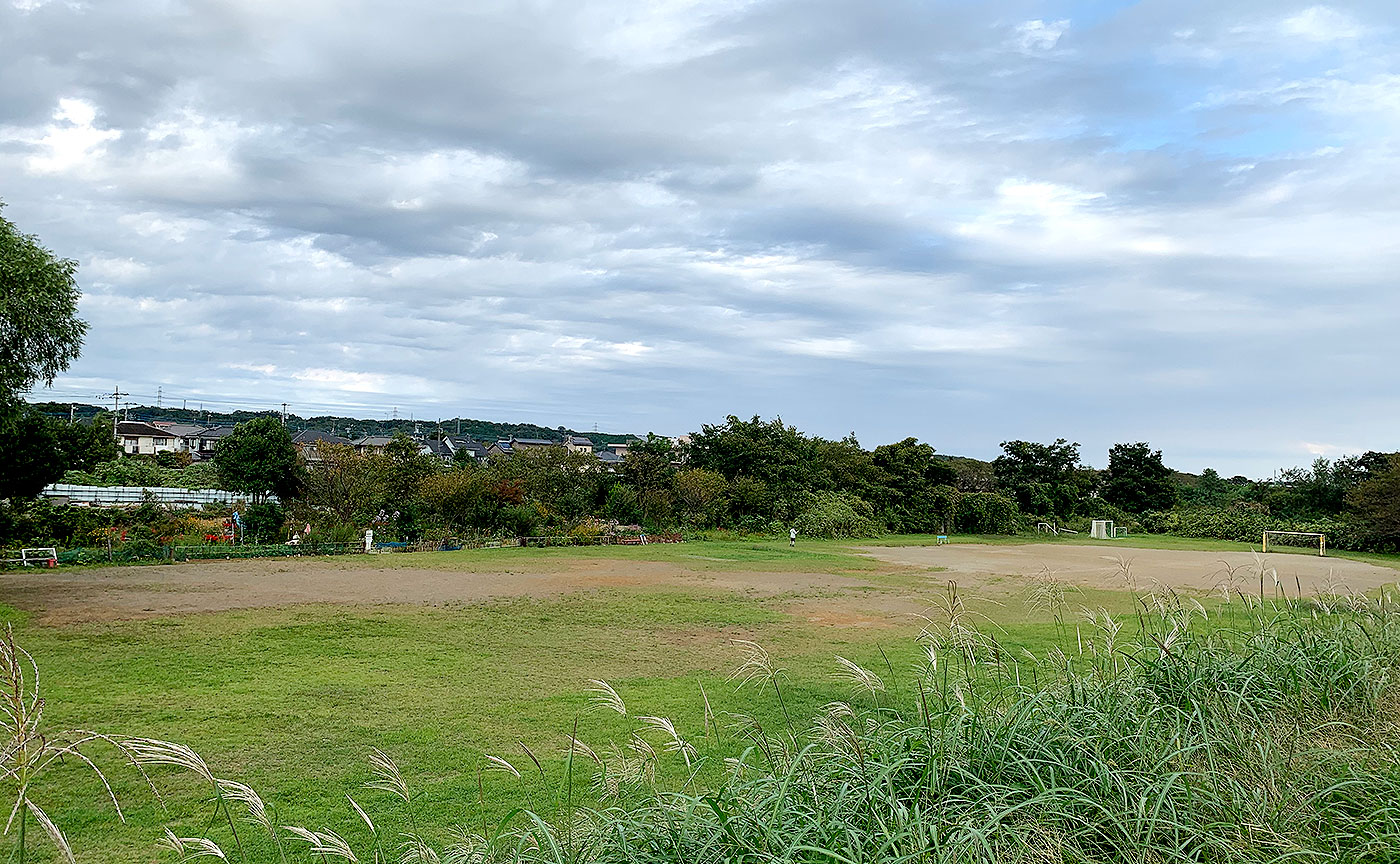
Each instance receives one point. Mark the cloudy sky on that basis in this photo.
(965, 221)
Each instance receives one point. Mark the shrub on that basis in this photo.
(835, 515)
(987, 513)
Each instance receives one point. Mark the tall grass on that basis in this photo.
(1258, 730)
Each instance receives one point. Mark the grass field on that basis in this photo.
(293, 699)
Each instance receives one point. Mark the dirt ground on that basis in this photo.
(115, 593)
(1104, 567)
(841, 599)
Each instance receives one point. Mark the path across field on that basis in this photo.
(1103, 567)
(827, 589)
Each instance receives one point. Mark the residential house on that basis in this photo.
(201, 443)
(499, 450)
(475, 449)
(520, 445)
(371, 444)
(611, 461)
(309, 440)
(437, 449)
(183, 432)
(138, 436)
(577, 444)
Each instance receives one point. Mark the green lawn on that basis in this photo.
(292, 700)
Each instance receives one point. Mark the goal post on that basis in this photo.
(1298, 538)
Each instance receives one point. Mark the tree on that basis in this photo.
(341, 482)
(700, 494)
(911, 474)
(29, 453)
(1211, 490)
(648, 467)
(1374, 504)
(1136, 479)
(1044, 479)
(259, 457)
(84, 446)
(40, 332)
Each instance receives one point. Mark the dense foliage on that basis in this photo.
(40, 332)
(741, 475)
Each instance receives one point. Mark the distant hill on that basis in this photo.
(350, 427)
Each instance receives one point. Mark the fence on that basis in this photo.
(124, 496)
(149, 552)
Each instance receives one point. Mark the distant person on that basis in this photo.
(792, 538)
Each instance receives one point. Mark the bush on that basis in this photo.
(987, 513)
(1246, 522)
(835, 515)
(264, 523)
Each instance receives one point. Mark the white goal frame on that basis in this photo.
(1321, 539)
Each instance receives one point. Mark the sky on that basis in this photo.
(967, 222)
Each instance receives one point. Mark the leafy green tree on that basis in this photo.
(30, 458)
(623, 504)
(341, 483)
(910, 478)
(258, 458)
(1043, 479)
(700, 493)
(1374, 504)
(778, 455)
(649, 464)
(86, 445)
(1212, 490)
(40, 332)
(1137, 480)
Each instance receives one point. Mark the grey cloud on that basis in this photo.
(896, 218)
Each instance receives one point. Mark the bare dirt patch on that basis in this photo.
(104, 594)
(1006, 568)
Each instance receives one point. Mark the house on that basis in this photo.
(611, 461)
(499, 450)
(437, 449)
(680, 450)
(619, 449)
(577, 444)
(138, 436)
(371, 444)
(202, 442)
(308, 440)
(458, 443)
(184, 433)
(520, 445)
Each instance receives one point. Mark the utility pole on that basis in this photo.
(72, 409)
(115, 395)
(284, 413)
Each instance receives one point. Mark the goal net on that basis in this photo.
(1306, 539)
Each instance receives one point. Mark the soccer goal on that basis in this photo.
(1296, 538)
(1102, 529)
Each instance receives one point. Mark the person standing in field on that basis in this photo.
(792, 538)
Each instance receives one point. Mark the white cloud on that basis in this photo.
(1037, 36)
(71, 141)
(1321, 24)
